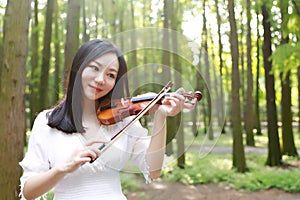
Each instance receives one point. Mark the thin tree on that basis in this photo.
(288, 143)
(72, 37)
(34, 62)
(175, 24)
(207, 65)
(85, 36)
(220, 55)
(171, 129)
(274, 153)
(57, 54)
(44, 76)
(257, 110)
(12, 92)
(239, 161)
(249, 100)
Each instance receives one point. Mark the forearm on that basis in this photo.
(42, 183)
(156, 150)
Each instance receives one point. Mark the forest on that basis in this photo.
(241, 54)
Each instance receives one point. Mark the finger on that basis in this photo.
(92, 142)
(88, 153)
(180, 90)
(96, 150)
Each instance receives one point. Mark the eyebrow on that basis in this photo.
(111, 69)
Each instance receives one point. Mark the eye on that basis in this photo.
(94, 67)
(112, 75)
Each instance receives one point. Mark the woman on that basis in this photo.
(65, 139)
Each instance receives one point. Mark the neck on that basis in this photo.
(89, 110)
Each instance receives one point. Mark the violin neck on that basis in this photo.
(146, 98)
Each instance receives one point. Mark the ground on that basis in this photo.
(160, 190)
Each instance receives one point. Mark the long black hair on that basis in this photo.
(67, 115)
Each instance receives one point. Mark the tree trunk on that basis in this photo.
(274, 154)
(207, 67)
(171, 129)
(44, 79)
(257, 111)
(85, 36)
(288, 144)
(72, 41)
(298, 78)
(57, 73)
(12, 107)
(249, 100)
(220, 51)
(178, 82)
(238, 147)
(34, 61)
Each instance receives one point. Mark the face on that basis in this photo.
(99, 76)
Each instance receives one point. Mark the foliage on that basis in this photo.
(286, 57)
(217, 169)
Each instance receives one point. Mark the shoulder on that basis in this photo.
(42, 116)
(41, 119)
(40, 125)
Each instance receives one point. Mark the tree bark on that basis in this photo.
(220, 52)
(44, 78)
(249, 100)
(207, 67)
(238, 147)
(57, 54)
(288, 143)
(12, 107)
(72, 37)
(274, 153)
(34, 61)
(257, 111)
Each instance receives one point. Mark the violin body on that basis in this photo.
(111, 112)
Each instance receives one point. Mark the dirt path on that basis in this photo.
(176, 191)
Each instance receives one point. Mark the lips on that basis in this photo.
(95, 88)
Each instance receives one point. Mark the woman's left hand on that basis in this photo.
(175, 103)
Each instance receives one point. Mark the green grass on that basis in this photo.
(214, 168)
(218, 169)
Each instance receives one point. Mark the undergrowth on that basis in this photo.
(218, 169)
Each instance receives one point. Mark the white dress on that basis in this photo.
(94, 181)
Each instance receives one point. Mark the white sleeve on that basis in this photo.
(36, 159)
(140, 148)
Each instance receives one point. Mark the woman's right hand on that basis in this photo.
(81, 156)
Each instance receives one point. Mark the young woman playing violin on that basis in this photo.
(63, 151)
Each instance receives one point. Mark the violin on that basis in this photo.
(111, 112)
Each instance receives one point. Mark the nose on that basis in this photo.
(99, 79)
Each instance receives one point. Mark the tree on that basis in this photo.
(72, 38)
(249, 100)
(257, 111)
(288, 144)
(207, 65)
(44, 78)
(34, 62)
(12, 108)
(220, 52)
(57, 48)
(274, 154)
(238, 147)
